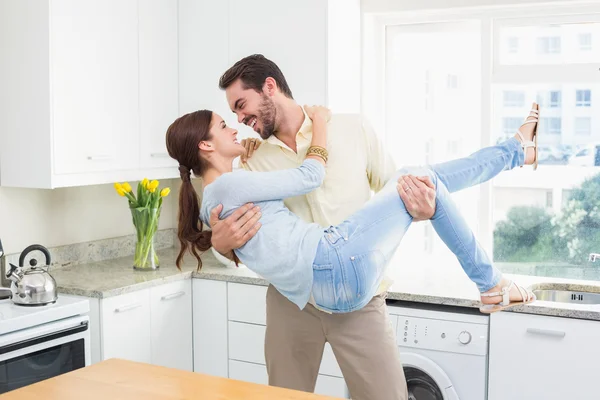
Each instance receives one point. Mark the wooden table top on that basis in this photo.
(117, 379)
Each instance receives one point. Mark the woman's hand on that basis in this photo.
(318, 112)
(250, 145)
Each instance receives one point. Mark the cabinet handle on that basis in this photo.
(172, 296)
(127, 307)
(99, 158)
(159, 155)
(546, 332)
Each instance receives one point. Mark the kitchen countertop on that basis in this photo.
(435, 281)
(126, 380)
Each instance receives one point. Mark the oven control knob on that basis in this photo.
(464, 337)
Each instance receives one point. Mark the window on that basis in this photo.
(510, 125)
(548, 45)
(585, 41)
(551, 125)
(514, 99)
(541, 223)
(583, 126)
(549, 99)
(513, 45)
(583, 98)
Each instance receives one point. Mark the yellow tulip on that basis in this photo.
(145, 183)
(165, 192)
(127, 187)
(121, 191)
(118, 186)
(152, 186)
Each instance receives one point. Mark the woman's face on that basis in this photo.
(224, 139)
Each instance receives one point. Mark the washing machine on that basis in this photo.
(444, 351)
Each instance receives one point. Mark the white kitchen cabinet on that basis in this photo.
(126, 326)
(203, 55)
(88, 90)
(540, 357)
(303, 41)
(210, 327)
(151, 325)
(247, 303)
(94, 85)
(159, 79)
(246, 314)
(256, 373)
(295, 38)
(171, 325)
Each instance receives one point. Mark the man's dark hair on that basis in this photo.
(253, 71)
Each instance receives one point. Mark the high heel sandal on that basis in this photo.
(525, 144)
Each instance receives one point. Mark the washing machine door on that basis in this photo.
(425, 379)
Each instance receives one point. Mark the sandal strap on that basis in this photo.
(525, 143)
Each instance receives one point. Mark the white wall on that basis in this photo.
(69, 215)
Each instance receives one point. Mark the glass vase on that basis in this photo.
(145, 221)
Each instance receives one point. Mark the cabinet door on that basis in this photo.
(171, 324)
(126, 327)
(210, 327)
(538, 357)
(295, 38)
(159, 102)
(94, 85)
(203, 56)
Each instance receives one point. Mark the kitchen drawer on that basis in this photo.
(542, 357)
(248, 372)
(126, 327)
(247, 343)
(329, 365)
(247, 303)
(255, 373)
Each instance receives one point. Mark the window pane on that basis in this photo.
(585, 41)
(583, 126)
(583, 98)
(433, 112)
(546, 222)
(570, 43)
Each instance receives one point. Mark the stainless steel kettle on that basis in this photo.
(32, 285)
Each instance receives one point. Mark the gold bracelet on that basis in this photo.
(318, 151)
(318, 155)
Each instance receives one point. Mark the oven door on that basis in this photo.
(42, 352)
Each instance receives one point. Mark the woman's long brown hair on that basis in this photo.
(183, 137)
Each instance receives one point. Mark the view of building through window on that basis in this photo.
(545, 222)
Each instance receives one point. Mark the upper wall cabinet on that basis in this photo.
(89, 89)
(298, 37)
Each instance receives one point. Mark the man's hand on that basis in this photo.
(418, 195)
(251, 145)
(234, 231)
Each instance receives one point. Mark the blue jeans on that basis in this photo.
(351, 258)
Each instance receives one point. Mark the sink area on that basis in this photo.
(566, 294)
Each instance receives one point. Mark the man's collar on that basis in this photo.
(305, 131)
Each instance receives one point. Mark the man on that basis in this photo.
(363, 341)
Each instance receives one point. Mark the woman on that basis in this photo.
(338, 269)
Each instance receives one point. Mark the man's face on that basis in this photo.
(254, 109)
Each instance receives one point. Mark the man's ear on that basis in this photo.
(270, 86)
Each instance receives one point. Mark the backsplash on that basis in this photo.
(99, 250)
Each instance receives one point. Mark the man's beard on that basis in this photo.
(266, 116)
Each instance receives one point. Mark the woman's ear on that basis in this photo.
(205, 146)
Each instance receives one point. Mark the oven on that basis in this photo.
(40, 352)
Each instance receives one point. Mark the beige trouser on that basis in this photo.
(363, 342)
